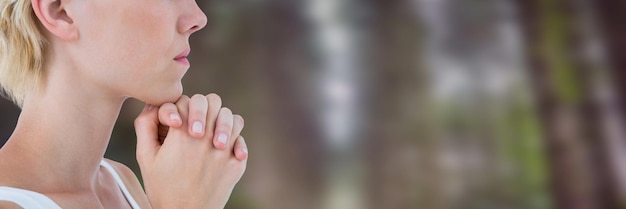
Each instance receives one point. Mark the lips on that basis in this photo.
(182, 57)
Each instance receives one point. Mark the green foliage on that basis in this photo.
(556, 48)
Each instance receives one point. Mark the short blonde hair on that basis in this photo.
(21, 49)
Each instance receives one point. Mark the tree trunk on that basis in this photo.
(399, 138)
(567, 112)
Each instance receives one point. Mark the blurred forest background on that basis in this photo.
(436, 104)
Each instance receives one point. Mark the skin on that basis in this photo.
(101, 53)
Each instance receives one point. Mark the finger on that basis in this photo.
(238, 124)
(183, 107)
(241, 149)
(215, 104)
(168, 115)
(198, 106)
(146, 126)
(236, 130)
(223, 128)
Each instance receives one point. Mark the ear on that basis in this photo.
(53, 16)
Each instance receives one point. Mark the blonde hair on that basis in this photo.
(21, 50)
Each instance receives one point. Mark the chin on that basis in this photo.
(162, 97)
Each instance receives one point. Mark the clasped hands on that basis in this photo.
(190, 152)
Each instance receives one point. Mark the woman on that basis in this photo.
(70, 65)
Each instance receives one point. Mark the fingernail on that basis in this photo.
(197, 127)
(174, 117)
(222, 138)
(150, 107)
(244, 150)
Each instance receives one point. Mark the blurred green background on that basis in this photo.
(354, 104)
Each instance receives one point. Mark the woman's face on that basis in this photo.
(136, 48)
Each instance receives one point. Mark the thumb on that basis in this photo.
(146, 128)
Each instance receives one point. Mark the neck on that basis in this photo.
(63, 132)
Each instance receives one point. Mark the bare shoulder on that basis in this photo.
(9, 205)
(132, 183)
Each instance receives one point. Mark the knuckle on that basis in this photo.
(224, 127)
(196, 113)
(226, 110)
(239, 119)
(164, 112)
(214, 100)
(183, 100)
(139, 120)
(197, 96)
(213, 96)
(169, 106)
(198, 102)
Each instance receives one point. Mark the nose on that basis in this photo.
(192, 20)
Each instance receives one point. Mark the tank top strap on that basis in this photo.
(121, 184)
(34, 200)
(26, 199)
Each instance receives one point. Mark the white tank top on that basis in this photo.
(34, 200)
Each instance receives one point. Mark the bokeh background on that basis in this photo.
(432, 104)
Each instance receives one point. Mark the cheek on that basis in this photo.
(128, 33)
(146, 38)
(130, 48)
